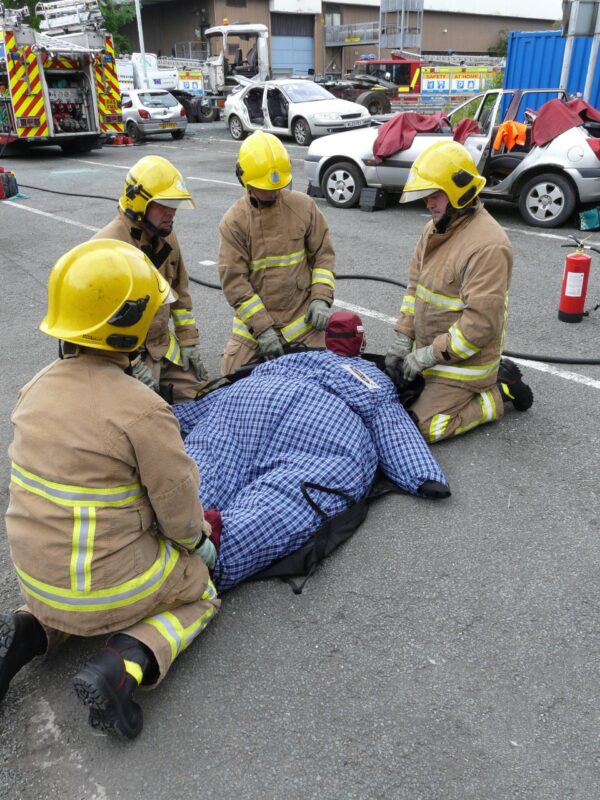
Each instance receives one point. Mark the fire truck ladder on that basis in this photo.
(69, 16)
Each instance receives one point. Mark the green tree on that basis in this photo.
(32, 19)
(115, 16)
(501, 46)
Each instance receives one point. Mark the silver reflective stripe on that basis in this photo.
(69, 495)
(445, 301)
(84, 539)
(109, 597)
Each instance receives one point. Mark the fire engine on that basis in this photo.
(58, 85)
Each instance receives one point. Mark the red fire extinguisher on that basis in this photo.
(575, 281)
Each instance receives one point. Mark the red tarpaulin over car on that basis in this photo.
(556, 117)
(399, 132)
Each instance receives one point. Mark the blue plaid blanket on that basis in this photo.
(312, 416)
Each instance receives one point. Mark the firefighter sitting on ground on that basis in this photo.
(152, 193)
(105, 537)
(276, 262)
(453, 315)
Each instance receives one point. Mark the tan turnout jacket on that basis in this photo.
(457, 299)
(104, 504)
(166, 256)
(273, 261)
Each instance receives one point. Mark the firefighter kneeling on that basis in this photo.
(105, 536)
(453, 315)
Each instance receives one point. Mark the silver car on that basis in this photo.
(147, 112)
(298, 108)
(547, 182)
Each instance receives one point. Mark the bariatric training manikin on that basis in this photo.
(170, 360)
(276, 262)
(106, 531)
(453, 316)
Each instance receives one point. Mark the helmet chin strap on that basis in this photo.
(450, 214)
(154, 230)
(256, 203)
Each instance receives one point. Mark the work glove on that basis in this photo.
(144, 375)
(208, 553)
(318, 314)
(191, 356)
(417, 361)
(399, 349)
(269, 344)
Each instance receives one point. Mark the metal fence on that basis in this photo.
(197, 51)
(360, 33)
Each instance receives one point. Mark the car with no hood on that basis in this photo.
(287, 107)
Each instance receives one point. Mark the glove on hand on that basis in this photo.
(144, 375)
(417, 361)
(318, 314)
(208, 553)
(399, 349)
(270, 344)
(191, 356)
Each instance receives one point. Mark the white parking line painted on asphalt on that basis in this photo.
(52, 216)
(188, 178)
(211, 180)
(207, 263)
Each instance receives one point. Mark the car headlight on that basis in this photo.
(329, 116)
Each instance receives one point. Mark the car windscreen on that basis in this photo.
(306, 92)
(157, 100)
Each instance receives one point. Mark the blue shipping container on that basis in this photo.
(534, 61)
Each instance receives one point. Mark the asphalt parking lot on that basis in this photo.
(449, 651)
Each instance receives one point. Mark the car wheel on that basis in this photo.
(547, 201)
(376, 102)
(179, 134)
(208, 113)
(301, 132)
(134, 132)
(236, 128)
(342, 184)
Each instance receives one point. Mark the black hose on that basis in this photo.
(71, 194)
(591, 362)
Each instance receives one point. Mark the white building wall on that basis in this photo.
(532, 9)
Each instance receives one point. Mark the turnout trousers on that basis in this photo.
(239, 350)
(184, 382)
(443, 411)
(171, 627)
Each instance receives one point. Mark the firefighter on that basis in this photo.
(276, 262)
(102, 488)
(453, 315)
(170, 361)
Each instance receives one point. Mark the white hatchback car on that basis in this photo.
(298, 108)
(150, 111)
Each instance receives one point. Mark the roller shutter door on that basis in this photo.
(292, 43)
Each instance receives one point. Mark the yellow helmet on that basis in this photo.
(263, 162)
(153, 179)
(445, 166)
(103, 294)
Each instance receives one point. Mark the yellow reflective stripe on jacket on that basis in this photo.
(292, 331)
(295, 329)
(182, 316)
(460, 345)
(285, 260)
(83, 501)
(241, 330)
(437, 427)
(408, 304)
(442, 300)
(191, 543)
(73, 496)
(465, 372)
(171, 629)
(124, 594)
(173, 353)
(321, 275)
(489, 412)
(249, 307)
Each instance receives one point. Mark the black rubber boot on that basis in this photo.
(512, 387)
(22, 638)
(106, 687)
(434, 490)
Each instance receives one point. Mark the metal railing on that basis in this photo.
(185, 51)
(360, 33)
